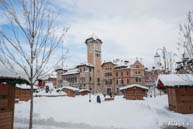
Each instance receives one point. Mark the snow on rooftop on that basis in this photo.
(71, 71)
(82, 90)
(86, 63)
(25, 86)
(70, 88)
(120, 63)
(53, 75)
(171, 80)
(93, 36)
(133, 85)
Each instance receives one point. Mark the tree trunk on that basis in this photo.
(31, 108)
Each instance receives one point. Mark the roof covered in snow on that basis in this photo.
(53, 75)
(82, 90)
(119, 63)
(85, 64)
(71, 71)
(93, 36)
(172, 80)
(70, 88)
(25, 87)
(133, 85)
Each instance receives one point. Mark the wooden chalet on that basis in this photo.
(70, 91)
(23, 92)
(134, 92)
(180, 91)
(7, 101)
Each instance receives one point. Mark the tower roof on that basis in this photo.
(93, 37)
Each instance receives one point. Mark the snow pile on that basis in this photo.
(25, 86)
(133, 85)
(151, 113)
(171, 80)
(50, 85)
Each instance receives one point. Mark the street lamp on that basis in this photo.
(158, 58)
(157, 61)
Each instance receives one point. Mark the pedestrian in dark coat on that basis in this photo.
(98, 99)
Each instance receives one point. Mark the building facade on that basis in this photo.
(105, 77)
(119, 73)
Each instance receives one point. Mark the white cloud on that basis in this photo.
(130, 29)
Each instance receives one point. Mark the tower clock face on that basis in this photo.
(90, 50)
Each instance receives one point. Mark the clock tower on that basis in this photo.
(94, 58)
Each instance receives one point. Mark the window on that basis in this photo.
(127, 73)
(137, 72)
(127, 81)
(117, 74)
(90, 79)
(98, 80)
(117, 82)
(80, 70)
(122, 82)
(138, 79)
(121, 73)
(137, 66)
(98, 53)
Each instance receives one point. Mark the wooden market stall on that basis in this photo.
(84, 92)
(180, 91)
(70, 91)
(23, 92)
(134, 92)
(7, 101)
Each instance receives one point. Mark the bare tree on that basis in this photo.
(186, 33)
(29, 40)
(186, 42)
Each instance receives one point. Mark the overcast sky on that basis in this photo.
(128, 28)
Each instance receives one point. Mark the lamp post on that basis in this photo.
(89, 84)
(158, 58)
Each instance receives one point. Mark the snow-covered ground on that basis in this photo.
(77, 113)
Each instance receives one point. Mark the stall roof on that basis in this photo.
(172, 80)
(71, 88)
(133, 85)
(84, 90)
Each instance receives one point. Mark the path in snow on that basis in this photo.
(52, 124)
